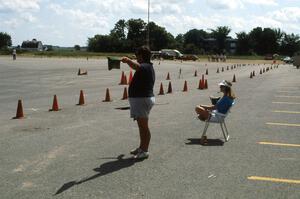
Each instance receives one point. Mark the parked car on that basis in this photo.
(190, 57)
(269, 57)
(171, 54)
(288, 60)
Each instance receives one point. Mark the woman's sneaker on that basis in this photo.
(141, 155)
(135, 151)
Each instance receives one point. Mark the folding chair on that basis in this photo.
(217, 118)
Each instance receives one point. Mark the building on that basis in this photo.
(211, 45)
(231, 45)
(33, 45)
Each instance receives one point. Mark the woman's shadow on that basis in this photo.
(104, 169)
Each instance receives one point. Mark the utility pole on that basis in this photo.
(148, 28)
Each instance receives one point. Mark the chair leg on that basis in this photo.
(227, 134)
(224, 134)
(205, 129)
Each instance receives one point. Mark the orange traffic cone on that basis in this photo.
(234, 79)
(196, 74)
(218, 71)
(122, 78)
(206, 72)
(200, 84)
(125, 94)
(130, 77)
(161, 90)
(168, 76)
(205, 84)
(84, 72)
(81, 99)
(107, 96)
(19, 114)
(185, 88)
(55, 104)
(170, 90)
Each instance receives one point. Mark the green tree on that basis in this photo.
(119, 31)
(77, 47)
(269, 42)
(243, 43)
(100, 43)
(5, 40)
(118, 34)
(279, 34)
(179, 42)
(221, 34)
(136, 35)
(195, 37)
(159, 37)
(191, 49)
(290, 44)
(255, 37)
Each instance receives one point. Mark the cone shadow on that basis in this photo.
(123, 108)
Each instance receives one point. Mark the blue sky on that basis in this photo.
(70, 22)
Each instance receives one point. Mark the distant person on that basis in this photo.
(209, 58)
(14, 54)
(222, 106)
(141, 97)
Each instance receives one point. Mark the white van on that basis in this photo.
(169, 53)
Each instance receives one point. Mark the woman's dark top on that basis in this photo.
(143, 82)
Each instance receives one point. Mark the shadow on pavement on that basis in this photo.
(123, 108)
(210, 142)
(104, 169)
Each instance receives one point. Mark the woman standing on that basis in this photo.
(141, 97)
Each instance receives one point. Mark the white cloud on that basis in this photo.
(138, 7)
(287, 15)
(80, 18)
(19, 5)
(28, 17)
(262, 2)
(25, 17)
(182, 23)
(12, 23)
(224, 4)
(238, 4)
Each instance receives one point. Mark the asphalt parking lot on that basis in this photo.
(83, 151)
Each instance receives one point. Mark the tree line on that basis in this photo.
(127, 35)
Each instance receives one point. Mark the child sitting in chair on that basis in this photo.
(222, 106)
